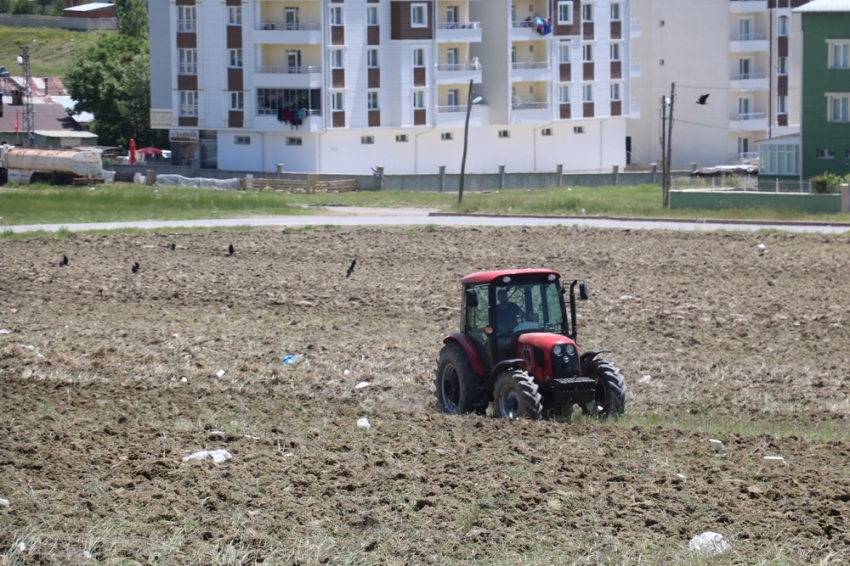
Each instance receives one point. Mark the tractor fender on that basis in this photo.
(589, 356)
(505, 365)
(471, 351)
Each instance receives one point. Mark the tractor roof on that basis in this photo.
(489, 276)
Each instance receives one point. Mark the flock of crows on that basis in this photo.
(230, 251)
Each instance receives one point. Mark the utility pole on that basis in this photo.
(664, 151)
(669, 145)
(465, 141)
(29, 115)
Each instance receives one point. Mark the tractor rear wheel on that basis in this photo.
(516, 396)
(459, 389)
(610, 399)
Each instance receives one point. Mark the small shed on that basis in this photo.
(90, 10)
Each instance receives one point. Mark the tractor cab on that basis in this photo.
(516, 346)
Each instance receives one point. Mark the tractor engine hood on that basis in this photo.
(536, 349)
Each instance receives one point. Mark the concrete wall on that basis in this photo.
(82, 24)
(722, 200)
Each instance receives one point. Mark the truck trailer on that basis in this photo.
(53, 166)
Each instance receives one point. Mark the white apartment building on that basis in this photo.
(745, 54)
(342, 86)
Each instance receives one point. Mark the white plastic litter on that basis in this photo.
(108, 176)
(5, 331)
(363, 423)
(218, 456)
(197, 183)
(626, 297)
(86, 554)
(683, 476)
(289, 359)
(346, 372)
(645, 379)
(775, 459)
(220, 373)
(762, 247)
(583, 211)
(184, 380)
(362, 385)
(21, 547)
(710, 543)
(4, 502)
(251, 436)
(716, 444)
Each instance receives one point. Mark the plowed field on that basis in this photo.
(109, 378)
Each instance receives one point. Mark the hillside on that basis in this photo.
(52, 51)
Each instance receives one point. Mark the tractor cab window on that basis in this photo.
(478, 319)
(529, 307)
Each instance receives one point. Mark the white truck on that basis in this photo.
(54, 166)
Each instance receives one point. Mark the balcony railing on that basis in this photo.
(188, 111)
(748, 155)
(287, 70)
(458, 25)
(289, 26)
(531, 65)
(747, 76)
(187, 69)
(457, 108)
(531, 106)
(187, 25)
(459, 67)
(749, 36)
(747, 116)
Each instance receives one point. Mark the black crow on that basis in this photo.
(64, 261)
(703, 99)
(136, 267)
(350, 269)
(172, 247)
(230, 251)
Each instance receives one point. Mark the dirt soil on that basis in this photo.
(109, 378)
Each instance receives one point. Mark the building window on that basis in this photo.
(237, 101)
(336, 15)
(337, 102)
(401, 138)
(371, 15)
(839, 55)
(564, 94)
(504, 133)
(419, 99)
(372, 58)
(188, 61)
(546, 132)
(782, 105)
(447, 136)
(615, 51)
(616, 91)
(270, 100)
(234, 58)
(242, 140)
(587, 93)
(587, 53)
(826, 154)
(587, 12)
(234, 15)
(372, 100)
(578, 129)
(418, 57)
(782, 26)
(778, 159)
(565, 13)
(838, 107)
(419, 15)
(186, 18)
(188, 103)
(367, 140)
(564, 53)
(782, 66)
(294, 141)
(616, 11)
(336, 59)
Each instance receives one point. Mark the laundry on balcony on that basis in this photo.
(541, 26)
(289, 116)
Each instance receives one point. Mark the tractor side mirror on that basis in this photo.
(583, 291)
(471, 298)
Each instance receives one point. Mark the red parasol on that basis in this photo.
(149, 151)
(132, 151)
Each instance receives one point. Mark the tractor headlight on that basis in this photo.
(557, 350)
(570, 350)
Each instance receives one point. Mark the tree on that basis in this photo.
(5, 6)
(133, 19)
(23, 7)
(44, 4)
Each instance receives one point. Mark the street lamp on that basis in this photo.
(469, 103)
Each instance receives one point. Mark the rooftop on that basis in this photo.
(89, 7)
(825, 6)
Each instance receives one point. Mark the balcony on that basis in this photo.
(744, 6)
(749, 122)
(457, 32)
(531, 71)
(455, 116)
(531, 112)
(748, 42)
(526, 30)
(269, 123)
(306, 76)
(283, 32)
(457, 73)
(748, 81)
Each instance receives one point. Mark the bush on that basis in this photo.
(819, 184)
(23, 7)
(5, 6)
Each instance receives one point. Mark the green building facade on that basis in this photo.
(825, 116)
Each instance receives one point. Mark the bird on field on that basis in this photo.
(350, 269)
(703, 99)
(172, 247)
(230, 251)
(64, 261)
(136, 267)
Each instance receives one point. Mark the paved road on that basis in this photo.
(343, 216)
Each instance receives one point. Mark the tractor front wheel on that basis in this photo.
(459, 389)
(610, 398)
(516, 396)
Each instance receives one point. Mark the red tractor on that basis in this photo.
(516, 347)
